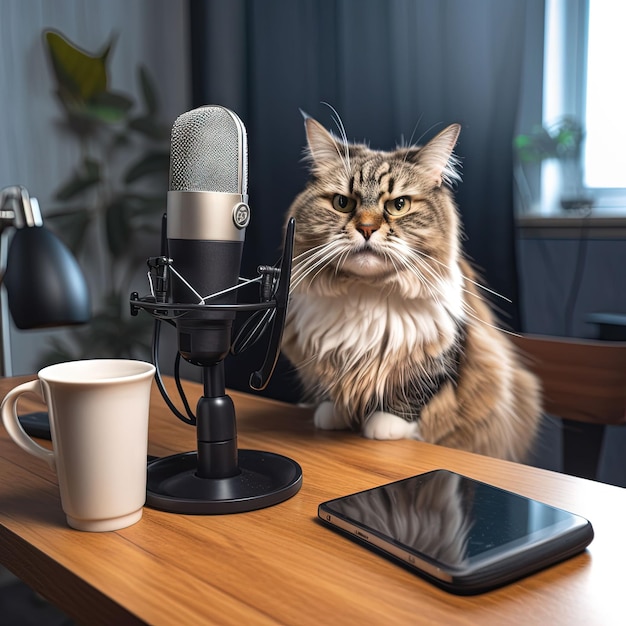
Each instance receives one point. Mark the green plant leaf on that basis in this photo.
(150, 127)
(121, 139)
(71, 226)
(126, 217)
(148, 91)
(58, 352)
(115, 333)
(118, 228)
(78, 120)
(82, 74)
(83, 179)
(106, 335)
(151, 163)
(145, 205)
(109, 107)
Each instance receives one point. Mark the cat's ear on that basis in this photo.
(322, 145)
(438, 157)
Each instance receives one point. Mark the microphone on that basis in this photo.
(207, 215)
(193, 286)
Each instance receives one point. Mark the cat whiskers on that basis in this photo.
(418, 257)
(476, 284)
(409, 144)
(310, 263)
(427, 277)
(342, 259)
(469, 310)
(345, 157)
(415, 261)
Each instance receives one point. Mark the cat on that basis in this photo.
(386, 325)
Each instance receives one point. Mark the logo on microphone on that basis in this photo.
(241, 215)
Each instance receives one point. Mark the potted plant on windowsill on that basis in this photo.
(561, 141)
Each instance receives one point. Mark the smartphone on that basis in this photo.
(464, 535)
(36, 424)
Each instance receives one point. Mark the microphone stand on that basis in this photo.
(216, 427)
(218, 477)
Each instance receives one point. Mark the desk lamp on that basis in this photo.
(42, 284)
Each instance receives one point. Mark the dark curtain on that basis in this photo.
(394, 70)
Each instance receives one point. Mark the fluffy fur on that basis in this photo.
(386, 324)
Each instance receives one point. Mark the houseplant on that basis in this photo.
(110, 205)
(561, 141)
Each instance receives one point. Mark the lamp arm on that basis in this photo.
(18, 208)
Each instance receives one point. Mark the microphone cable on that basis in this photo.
(190, 418)
(255, 326)
(251, 331)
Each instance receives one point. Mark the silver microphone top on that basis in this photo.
(209, 152)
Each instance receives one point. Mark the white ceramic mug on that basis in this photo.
(98, 412)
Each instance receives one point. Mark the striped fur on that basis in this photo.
(387, 324)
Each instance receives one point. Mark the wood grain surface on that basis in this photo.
(279, 565)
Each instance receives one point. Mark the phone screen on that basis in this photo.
(465, 534)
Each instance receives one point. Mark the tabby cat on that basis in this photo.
(387, 325)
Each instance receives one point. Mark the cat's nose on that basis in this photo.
(367, 230)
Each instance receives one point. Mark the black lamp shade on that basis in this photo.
(45, 285)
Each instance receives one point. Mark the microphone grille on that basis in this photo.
(209, 152)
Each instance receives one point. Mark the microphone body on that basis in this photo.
(207, 214)
(195, 278)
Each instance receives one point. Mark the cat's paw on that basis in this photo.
(326, 418)
(382, 425)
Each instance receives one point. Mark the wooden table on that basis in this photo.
(279, 565)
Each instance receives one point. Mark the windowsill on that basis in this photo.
(600, 223)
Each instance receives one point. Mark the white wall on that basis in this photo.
(33, 152)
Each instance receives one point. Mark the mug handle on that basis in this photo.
(8, 409)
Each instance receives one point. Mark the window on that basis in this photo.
(584, 69)
(605, 95)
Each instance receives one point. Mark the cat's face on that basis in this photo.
(372, 217)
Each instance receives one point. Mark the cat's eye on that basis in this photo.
(398, 206)
(343, 204)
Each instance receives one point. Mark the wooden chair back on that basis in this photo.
(583, 380)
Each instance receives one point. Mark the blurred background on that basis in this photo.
(525, 78)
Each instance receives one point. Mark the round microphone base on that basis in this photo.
(264, 479)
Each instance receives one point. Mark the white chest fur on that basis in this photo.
(356, 352)
(367, 322)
